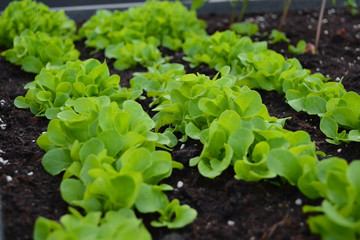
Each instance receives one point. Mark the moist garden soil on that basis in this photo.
(227, 208)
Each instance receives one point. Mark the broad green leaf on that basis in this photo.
(32, 64)
(72, 189)
(285, 164)
(56, 160)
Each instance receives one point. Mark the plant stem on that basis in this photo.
(318, 30)
(243, 9)
(233, 4)
(285, 13)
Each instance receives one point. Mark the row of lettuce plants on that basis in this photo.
(105, 145)
(236, 130)
(103, 141)
(256, 66)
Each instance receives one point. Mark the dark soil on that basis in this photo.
(227, 208)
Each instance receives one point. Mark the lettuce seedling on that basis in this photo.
(277, 36)
(128, 55)
(245, 28)
(27, 14)
(299, 49)
(121, 224)
(49, 93)
(33, 51)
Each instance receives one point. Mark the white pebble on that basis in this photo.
(30, 173)
(180, 184)
(326, 32)
(8, 178)
(298, 202)
(324, 21)
(231, 223)
(310, 26)
(1, 151)
(337, 79)
(182, 146)
(2, 102)
(3, 162)
(3, 126)
(339, 150)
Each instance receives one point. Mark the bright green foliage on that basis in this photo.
(193, 102)
(257, 148)
(312, 93)
(95, 124)
(27, 14)
(128, 55)
(175, 215)
(156, 80)
(195, 4)
(109, 158)
(34, 50)
(121, 224)
(299, 49)
(276, 152)
(245, 28)
(339, 184)
(255, 66)
(168, 22)
(277, 36)
(342, 112)
(220, 49)
(133, 36)
(52, 89)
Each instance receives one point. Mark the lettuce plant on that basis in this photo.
(33, 51)
(277, 36)
(132, 36)
(53, 88)
(342, 112)
(338, 215)
(128, 55)
(103, 149)
(299, 49)
(245, 28)
(168, 22)
(156, 80)
(27, 14)
(121, 224)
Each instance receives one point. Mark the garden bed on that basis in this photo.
(227, 208)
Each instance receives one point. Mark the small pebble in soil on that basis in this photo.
(231, 223)
(182, 146)
(8, 178)
(180, 184)
(2, 124)
(339, 150)
(324, 21)
(310, 26)
(298, 202)
(3, 162)
(331, 11)
(326, 32)
(30, 173)
(337, 79)
(2, 102)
